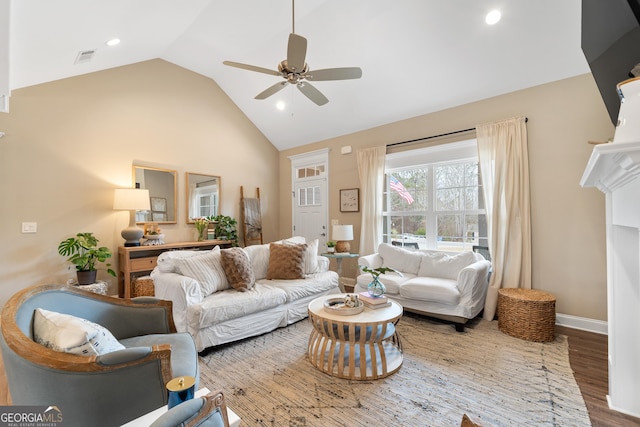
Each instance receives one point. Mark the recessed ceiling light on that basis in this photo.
(113, 42)
(493, 17)
(280, 105)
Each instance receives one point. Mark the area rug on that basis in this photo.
(495, 379)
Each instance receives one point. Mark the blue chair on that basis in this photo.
(207, 411)
(108, 389)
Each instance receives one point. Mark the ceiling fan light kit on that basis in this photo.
(295, 71)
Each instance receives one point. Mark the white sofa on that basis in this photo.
(447, 285)
(214, 312)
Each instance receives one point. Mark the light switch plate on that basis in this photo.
(29, 227)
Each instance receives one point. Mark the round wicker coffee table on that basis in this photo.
(528, 314)
(363, 346)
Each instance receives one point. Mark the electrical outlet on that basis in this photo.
(335, 222)
(29, 227)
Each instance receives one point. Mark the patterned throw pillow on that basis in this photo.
(70, 334)
(286, 261)
(237, 267)
(207, 269)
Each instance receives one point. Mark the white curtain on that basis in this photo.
(371, 172)
(504, 166)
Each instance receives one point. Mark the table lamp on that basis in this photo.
(342, 234)
(131, 199)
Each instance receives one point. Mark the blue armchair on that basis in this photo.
(207, 411)
(108, 389)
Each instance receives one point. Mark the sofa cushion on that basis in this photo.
(311, 257)
(400, 259)
(313, 284)
(237, 267)
(167, 261)
(206, 269)
(229, 304)
(259, 257)
(432, 289)
(391, 281)
(286, 261)
(438, 264)
(70, 334)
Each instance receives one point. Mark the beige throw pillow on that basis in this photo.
(237, 268)
(286, 261)
(71, 334)
(207, 269)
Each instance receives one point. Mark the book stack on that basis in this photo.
(374, 302)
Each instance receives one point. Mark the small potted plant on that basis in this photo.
(226, 228)
(376, 288)
(83, 251)
(331, 246)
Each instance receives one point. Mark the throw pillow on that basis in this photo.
(206, 269)
(237, 267)
(445, 266)
(286, 261)
(310, 255)
(399, 258)
(70, 334)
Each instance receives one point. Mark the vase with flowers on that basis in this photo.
(202, 225)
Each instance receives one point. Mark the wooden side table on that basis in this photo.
(363, 346)
(339, 257)
(528, 314)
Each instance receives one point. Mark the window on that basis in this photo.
(434, 201)
(309, 196)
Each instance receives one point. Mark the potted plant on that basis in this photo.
(331, 246)
(376, 288)
(226, 228)
(83, 251)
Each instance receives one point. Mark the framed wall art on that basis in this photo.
(350, 200)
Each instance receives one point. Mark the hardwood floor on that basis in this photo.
(588, 358)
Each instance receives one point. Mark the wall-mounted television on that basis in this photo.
(611, 45)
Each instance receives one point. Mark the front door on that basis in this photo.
(310, 207)
(309, 173)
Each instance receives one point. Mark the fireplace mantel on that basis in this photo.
(612, 166)
(615, 170)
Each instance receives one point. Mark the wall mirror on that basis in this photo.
(161, 184)
(203, 196)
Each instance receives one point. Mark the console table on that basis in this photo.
(140, 260)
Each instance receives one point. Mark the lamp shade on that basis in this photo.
(129, 199)
(342, 232)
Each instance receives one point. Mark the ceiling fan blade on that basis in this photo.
(346, 73)
(271, 90)
(252, 68)
(296, 52)
(312, 93)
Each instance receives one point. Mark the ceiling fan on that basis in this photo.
(294, 70)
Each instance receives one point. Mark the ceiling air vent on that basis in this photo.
(84, 56)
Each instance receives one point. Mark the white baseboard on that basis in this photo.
(582, 323)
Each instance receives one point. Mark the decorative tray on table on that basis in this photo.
(338, 306)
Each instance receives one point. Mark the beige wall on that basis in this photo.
(567, 220)
(69, 143)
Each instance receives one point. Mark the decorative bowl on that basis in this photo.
(337, 306)
(154, 236)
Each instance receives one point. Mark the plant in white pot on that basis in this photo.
(83, 251)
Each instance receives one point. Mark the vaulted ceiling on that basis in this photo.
(417, 56)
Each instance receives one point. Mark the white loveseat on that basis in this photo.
(208, 306)
(446, 285)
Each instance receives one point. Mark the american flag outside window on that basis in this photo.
(397, 186)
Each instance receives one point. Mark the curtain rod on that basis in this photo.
(526, 119)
